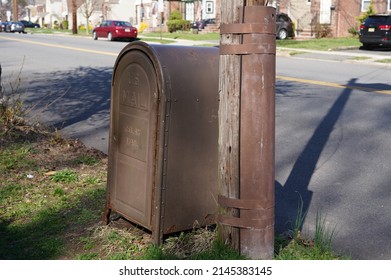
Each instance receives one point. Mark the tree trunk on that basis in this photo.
(87, 31)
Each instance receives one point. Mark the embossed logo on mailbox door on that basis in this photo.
(133, 90)
(134, 107)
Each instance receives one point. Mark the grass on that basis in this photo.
(52, 198)
(387, 60)
(360, 58)
(318, 248)
(323, 44)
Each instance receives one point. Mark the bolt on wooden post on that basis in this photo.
(247, 127)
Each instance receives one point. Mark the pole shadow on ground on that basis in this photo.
(296, 188)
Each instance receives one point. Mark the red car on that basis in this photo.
(114, 29)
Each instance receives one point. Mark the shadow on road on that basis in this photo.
(63, 98)
(296, 187)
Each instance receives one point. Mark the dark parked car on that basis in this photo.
(3, 25)
(14, 26)
(376, 31)
(284, 27)
(30, 24)
(202, 23)
(115, 29)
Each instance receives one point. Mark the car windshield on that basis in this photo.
(122, 23)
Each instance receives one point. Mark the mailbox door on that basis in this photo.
(133, 136)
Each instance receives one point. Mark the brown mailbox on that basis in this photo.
(162, 171)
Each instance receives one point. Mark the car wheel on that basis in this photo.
(110, 36)
(94, 36)
(282, 34)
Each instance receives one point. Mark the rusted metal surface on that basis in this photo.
(257, 130)
(163, 137)
(257, 133)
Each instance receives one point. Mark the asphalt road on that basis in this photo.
(332, 150)
(66, 79)
(332, 128)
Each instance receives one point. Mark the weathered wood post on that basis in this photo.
(74, 17)
(15, 16)
(247, 127)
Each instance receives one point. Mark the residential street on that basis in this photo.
(332, 127)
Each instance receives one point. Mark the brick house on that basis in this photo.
(340, 15)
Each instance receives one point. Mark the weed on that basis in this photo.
(11, 105)
(15, 157)
(219, 251)
(92, 180)
(200, 244)
(85, 215)
(88, 243)
(88, 256)
(323, 237)
(154, 252)
(299, 218)
(65, 176)
(294, 246)
(87, 160)
(57, 136)
(116, 244)
(59, 192)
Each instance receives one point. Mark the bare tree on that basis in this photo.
(88, 7)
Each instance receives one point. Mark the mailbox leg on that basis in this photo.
(106, 215)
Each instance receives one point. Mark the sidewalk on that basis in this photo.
(182, 42)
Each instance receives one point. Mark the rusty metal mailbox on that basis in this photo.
(163, 143)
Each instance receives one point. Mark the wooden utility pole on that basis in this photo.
(74, 17)
(247, 127)
(16, 12)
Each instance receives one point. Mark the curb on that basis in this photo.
(344, 56)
